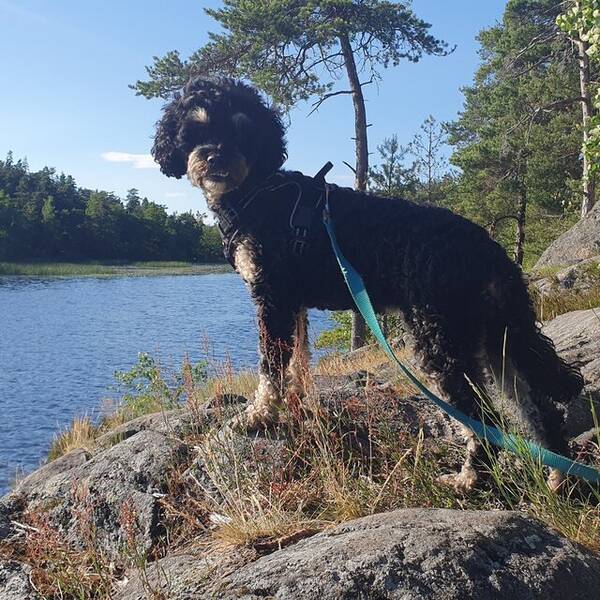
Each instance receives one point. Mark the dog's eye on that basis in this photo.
(193, 133)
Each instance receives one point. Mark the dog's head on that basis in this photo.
(221, 134)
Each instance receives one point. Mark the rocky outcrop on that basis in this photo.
(405, 554)
(576, 336)
(579, 243)
(577, 278)
(14, 581)
(78, 494)
(416, 553)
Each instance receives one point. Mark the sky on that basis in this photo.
(65, 101)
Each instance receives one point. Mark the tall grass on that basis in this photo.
(88, 269)
(555, 303)
(80, 434)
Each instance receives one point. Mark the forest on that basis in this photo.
(47, 216)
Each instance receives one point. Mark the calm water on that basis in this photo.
(61, 340)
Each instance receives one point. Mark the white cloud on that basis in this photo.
(140, 161)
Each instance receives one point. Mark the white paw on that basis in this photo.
(462, 482)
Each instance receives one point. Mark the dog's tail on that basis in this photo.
(533, 353)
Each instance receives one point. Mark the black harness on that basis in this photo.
(310, 195)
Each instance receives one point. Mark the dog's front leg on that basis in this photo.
(299, 368)
(276, 327)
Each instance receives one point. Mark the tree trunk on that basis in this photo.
(359, 328)
(589, 185)
(520, 235)
(430, 164)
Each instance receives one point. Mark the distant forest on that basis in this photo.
(48, 216)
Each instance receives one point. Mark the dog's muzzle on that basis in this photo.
(215, 174)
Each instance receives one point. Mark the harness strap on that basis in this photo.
(493, 435)
(301, 217)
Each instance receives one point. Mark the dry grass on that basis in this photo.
(329, 467)
(370, 358)
(551, 305)
(329, 478)
(80, 434)
(356, 460)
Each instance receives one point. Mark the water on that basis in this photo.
(61, 340)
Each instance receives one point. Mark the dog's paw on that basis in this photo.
(555, 480)
(462, 483)
(255, 418)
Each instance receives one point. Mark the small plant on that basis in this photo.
(144, 388)
(61, 571)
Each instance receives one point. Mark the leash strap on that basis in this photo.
(491, 434)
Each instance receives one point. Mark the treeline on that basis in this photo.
(44, 215)
(512, 161)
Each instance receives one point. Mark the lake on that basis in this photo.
(61, 340)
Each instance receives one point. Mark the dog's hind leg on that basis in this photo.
(530, 412)
(276, 329)
(452, 374)
(299, 368)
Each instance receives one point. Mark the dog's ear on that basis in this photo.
(167, 150)
(274, 151)
(270, 143)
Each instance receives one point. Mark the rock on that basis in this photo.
(576, 336)
(14, 581)
(173, 422)
(579, 278)
(185, 576)
(83, 499)
(579, 243)
(405, 554)
(52, 471)
(357, 402)
(588, 437)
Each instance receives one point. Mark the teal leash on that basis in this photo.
(486, 432)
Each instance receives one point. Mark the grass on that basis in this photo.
(81, 434)
(558, 300)
(95, 269)
(550, 305)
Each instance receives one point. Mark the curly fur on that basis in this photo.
(458, 290)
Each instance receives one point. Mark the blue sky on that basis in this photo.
(64, 100)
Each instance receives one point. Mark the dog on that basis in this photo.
(464, 299)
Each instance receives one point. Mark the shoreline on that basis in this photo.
(110, 269)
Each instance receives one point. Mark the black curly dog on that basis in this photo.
(464, 299)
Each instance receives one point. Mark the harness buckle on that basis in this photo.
(299, 240)
(298, 247)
